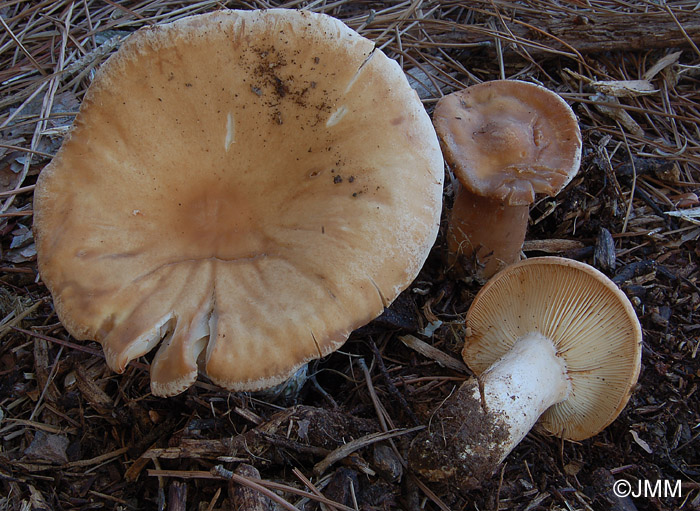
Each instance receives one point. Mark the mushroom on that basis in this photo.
(506, 141)
(244, 188)
(550, 339)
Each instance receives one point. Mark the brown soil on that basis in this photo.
(461, 445)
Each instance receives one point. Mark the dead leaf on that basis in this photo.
(430, 328)
(21, 255)
(9, 179)
(303, 429)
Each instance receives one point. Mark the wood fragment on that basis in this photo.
(352, 446)
(98, 459)
(604, 252)
(193, 448)
(135, 469)
(552, 246)
(44, 373)
(93, 394)
(603, 482)
(433, 353)
(177, 496)
(589, 32)
(245, 497)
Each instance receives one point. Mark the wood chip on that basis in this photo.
(245, 497)
(93, 394)
(433, 353)
(551, 246)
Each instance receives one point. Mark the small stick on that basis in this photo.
(74, 346)
(17, 191)
(309, 484)
(27, 212)
(98, 459)
(390, 384)
(346, 449)
(24, 149)
(431, 352)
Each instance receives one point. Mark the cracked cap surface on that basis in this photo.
(241, 188)
(509, 140)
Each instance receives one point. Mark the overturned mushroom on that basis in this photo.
(550, 339)
(506, 141)
(243, 188)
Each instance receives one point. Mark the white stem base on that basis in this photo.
(473, 431)
(522, 385)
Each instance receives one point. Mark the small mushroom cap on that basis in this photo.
(588, 318)
(247, 187)
(509, 140)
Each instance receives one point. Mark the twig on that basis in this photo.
(344, 450)
(433, 353)
(26, 212)
(634, 180)
(74, 346)
(25, 150)
(390, 384)
(309, 485)
(98, 459)
(264, 486)
(17, 191)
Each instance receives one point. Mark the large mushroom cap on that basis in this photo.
(509, 140)
(590, 321)
(247, 187)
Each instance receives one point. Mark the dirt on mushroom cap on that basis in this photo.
(196, 198)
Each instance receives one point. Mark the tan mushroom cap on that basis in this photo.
(509, 140)
(588, 318)
(246, 186)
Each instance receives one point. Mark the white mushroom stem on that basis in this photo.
(522, 385)
(477, 427)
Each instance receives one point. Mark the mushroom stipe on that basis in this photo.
(550, 339)
(506, 141)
